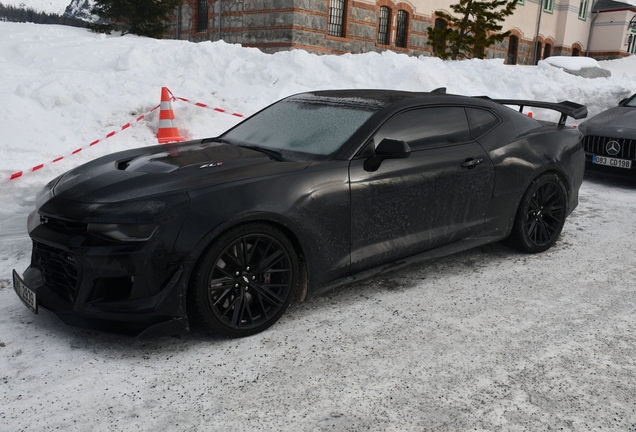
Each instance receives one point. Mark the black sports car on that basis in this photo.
(610, 139)
(317, 190)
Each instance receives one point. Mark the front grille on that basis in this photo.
(59, 269)
(597, 145)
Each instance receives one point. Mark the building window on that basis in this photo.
(440, 24)
(402, 26)
(583, 10)
(202, 16)
(336, 18)
(631, 43)
(548, 5)
(521, 2)
(547, 51)
(576, 52)
(383, 29)
(513, 44)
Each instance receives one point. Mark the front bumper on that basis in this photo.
(598, 145)
(126, 288)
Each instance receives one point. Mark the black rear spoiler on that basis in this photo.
(566, 108)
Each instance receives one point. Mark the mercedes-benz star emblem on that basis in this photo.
(612, 148)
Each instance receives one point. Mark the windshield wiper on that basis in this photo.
(271, 153)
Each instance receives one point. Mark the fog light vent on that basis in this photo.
(113, 288)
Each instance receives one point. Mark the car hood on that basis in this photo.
(618, 122)
(156, 170)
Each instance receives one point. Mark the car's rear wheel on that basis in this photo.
(245, 281)
(541, 215)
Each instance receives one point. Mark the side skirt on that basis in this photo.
(439, 252)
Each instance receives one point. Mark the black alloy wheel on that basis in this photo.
(245, 281)
(541, 215)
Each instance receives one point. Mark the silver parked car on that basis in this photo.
(610, 139)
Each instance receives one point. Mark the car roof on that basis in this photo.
(392, 100)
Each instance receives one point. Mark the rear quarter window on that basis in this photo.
(481, 121)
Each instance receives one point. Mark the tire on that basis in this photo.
(540, 216)
(244, 282)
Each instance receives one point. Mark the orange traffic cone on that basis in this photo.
(167, 131)
(530, 114)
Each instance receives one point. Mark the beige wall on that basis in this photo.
(610, 31)
(562, 26)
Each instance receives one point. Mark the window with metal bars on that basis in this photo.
(402, 23)
(440, 24)
(513, 44)
(336, 18)
(202, 16)
(383, 28)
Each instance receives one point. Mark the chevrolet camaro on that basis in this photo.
(315, 191)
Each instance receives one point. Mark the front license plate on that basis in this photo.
(26, 294)
(613, 162)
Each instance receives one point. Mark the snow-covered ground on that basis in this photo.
(488, 339)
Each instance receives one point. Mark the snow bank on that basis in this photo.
(64, 87)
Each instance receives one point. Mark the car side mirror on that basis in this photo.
(387, 149)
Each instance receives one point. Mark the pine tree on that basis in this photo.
(141, 17)
(475, 30)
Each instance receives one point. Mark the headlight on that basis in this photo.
(124, 232)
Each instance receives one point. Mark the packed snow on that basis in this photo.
(489, 339)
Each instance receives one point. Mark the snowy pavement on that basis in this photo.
(489, 339)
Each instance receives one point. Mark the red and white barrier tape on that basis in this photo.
(202, 105)
(19, 174)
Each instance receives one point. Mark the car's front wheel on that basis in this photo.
(540, 216)
(244, 281)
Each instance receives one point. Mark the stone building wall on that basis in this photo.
(275, 25)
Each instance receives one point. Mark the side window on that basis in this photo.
(481, 121)
(425, 127)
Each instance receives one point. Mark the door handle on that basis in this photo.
(472, 163)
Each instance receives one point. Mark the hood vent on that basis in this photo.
(123, 164)
(156, 163)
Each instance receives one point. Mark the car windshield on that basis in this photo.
(304, 126)
(632, 102)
